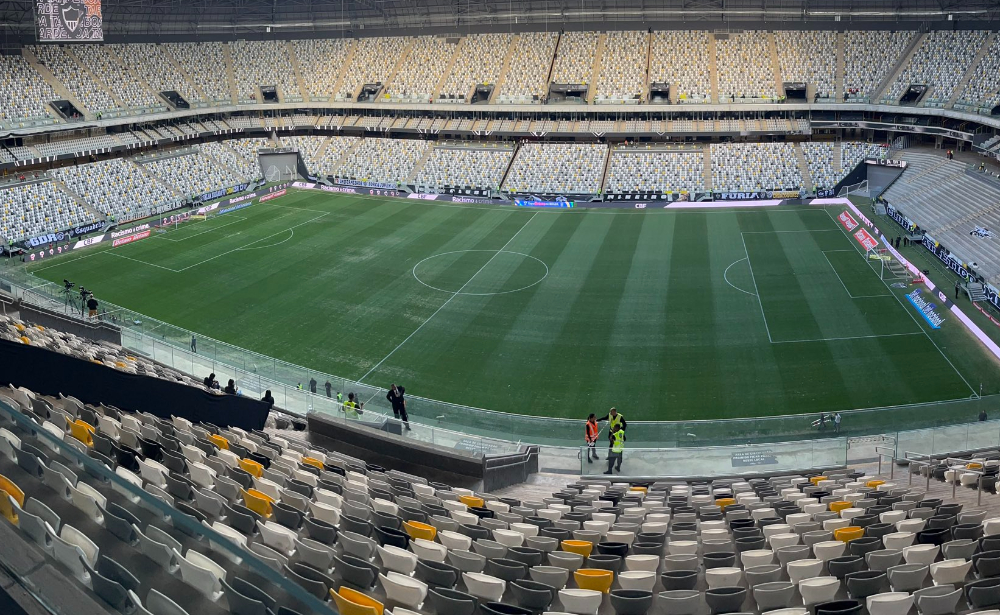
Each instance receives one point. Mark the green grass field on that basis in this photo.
(666, 314)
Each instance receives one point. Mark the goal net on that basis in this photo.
(888, 267)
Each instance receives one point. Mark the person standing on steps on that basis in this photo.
(329, 389)
(395, 397)
(616, 447)
(614, 418)
(591, 437)
(194, 344)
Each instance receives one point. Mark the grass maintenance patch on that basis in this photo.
(667, 315)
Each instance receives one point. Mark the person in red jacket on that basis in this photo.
(591, 437)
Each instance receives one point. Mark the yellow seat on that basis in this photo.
(312, 461)
(847, 534)
(872, 484)
(973, 465)
(417, 529)
(219, 441)
(253, 467)
(12, 490)
(353, 602)
(595, 579)
(815, 479)
(82, 432)
(639, 489)
(583, 547)
(7, 509)
(471, 501)
(839, 506)
(257, 501)
(722, 503)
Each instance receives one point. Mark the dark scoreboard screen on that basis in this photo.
(69, 21)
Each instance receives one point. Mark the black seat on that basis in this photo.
(839, 607)
(679, 579)
(151, 449)
(866, 583)
(983, 593)
(437, 574)
(389, 536)
(532, 595)
(451, 602)
(844, 565)
(321, 531)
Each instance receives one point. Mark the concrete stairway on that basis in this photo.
(227, 52)
(299, 79)
(459, 49)
(339, 83)
(838, 157)
(972, 70)
(79, 199)
(772, 48)
(713, 67)
(502, 77)
(644, 94)
(183, 73)
(595, 74)
(403, 57)
(344, 157)
(51, 79)
(222, 165)
(904, 61)
(838, 82)
(93, 78)
(606, 171)
(708, 167)
(807, 181)
(419, 164)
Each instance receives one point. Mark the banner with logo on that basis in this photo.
(56, 237)
(221, 192)
(865, 239)
(124, 240)
(847, 221)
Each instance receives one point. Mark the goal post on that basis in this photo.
(888, 267)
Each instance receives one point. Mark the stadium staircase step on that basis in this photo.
(772, 48)
(58, 183)
(86, 73)
(552, 61)
(606, 171)
(130, 69)
(183, 73)
(297, 69)
(595, 74)
(707, 157)
(713, 68)
(649, 50)
(157, 180)
(346, 155)
(510, 165)
(506, 65)
(977, 292)
(51, 79)
(807, 181)
(400, 63)
(419, 164)
(972, 70)
(459, 49)
(223, 165)
(902, 63)
(230, 73)
(321, 150)
(339, 81)
(838, 83)
(838, 158)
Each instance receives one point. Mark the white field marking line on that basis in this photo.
(316, 211)
(136, 260)
(851, 337)
(447, 301)
(503, 292)
(755, 289)
(909, 310)
(212, 258)
(805, 230)
(725, 277)
(214, 228)
(79, 258)
(836, 273)
(271, 245)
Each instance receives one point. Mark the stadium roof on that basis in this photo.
(195, 19)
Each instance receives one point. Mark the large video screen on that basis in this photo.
(69, 21)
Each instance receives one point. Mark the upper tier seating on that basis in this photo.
(79, 83)
(116, 187)
(681, 58)
(321, 62)
(755, 166)
(31, 209)
(374, 60)
(939, 63)
(25, 94)
(383, 160)
(983, 88)
(853, 152)
(479, 60)
(263, 63)
(528, 68)
(557, 168)
(191, 174)
(808, 57)
(464, 166)
(201, 62)
(422, 69)
(647, 171)
(623, 67)
(152, 63)
(105, 65)
(574, 61)
(744, 66)
(869, 57)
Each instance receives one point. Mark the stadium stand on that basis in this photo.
(808, 57)
(755, 166)
(864, 50)
(34, 208)
(238, 155)
(557, 168)
(939, 63)
(116, 187)
(744, 71)
(374, 59)
(525, 78)
(574, 61)
(67, 70)
(201, 62)
(26, 95)
(983, 89)
(191, 174)
(853, 152)
(321, 62)
(464, 166)
(320, 154)
(153, 65)
(72, 146)
(649, 170)
(263, 63)
(421, 70)
(819, 158)
(681, 58)
(479, 60)
(623, 68)
(383, 160)
(104, 64)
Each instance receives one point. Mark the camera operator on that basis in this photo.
(92, 305)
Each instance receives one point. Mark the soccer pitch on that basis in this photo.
(666, 314)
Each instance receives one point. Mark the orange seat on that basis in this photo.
(12, 490)
(973, 465)
(252, 467)
(872, 484)
(417, 529)
(257, 501)
(353, 602)
(815, 479)
(638, 489)
(595, 579)
(7, 510)
(312, 461)
(722, 503)
(471, 501)
(583, 547)
(219, 441)
(839, 506)
(847, 534)
(83, 432)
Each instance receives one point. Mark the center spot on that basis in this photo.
(480, 272)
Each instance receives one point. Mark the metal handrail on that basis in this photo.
(889, 452)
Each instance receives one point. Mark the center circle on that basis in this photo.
(433, 271)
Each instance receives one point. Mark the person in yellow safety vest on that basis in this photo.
(352, 408)
(616, 442)
(614, 418)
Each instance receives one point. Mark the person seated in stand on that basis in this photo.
(231, 387)
(268, 399)
(211, 382)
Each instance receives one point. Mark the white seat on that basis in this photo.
(527, 529)
(829, 549)
(396, 559)
(620, 536)
(193, 454)
(465, 518)
(950, 571)
(129, 477)
(268, 487)
(835, 524)
(756, 557)
(153, 472)
(72, 557)
(508, 538)
(402, 589)
(910, 525)
(89, 500)
(201, 573)
(682, 547)
(647, 563)
(637, 579)
(597, 526)
(581, 601)
(921, 554)
(201, 475)
(802, 569)
(892, 516)
(818, 589)
(278, 537)
(889, 603)
(235, 537)
(428, 550)
(454, 505)
(898, 540)
(325, 512)
(454, 540)
(723, 577)
(778, 541)
(484, 586)
(655, 527)
(385, 506)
